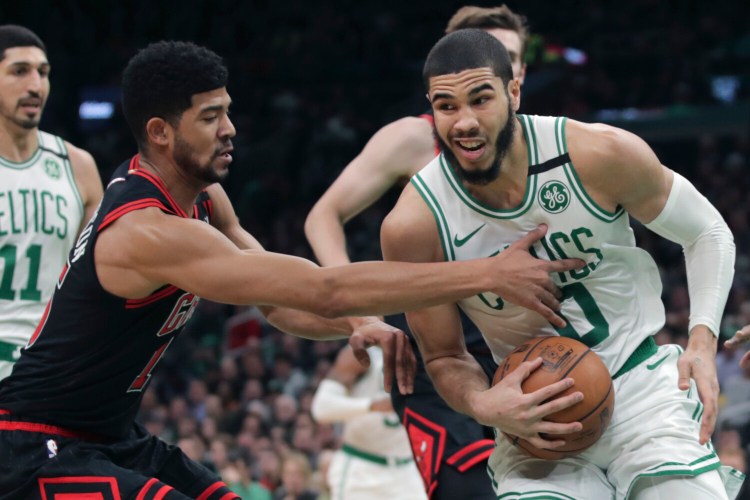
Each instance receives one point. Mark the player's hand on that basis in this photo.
(698, 363)
(740, 337)
(506, 407)
(525, 280)
(397, 352)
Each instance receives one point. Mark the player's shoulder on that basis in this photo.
(409, 226)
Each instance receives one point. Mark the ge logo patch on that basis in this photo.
(52, 168)
(554, 197)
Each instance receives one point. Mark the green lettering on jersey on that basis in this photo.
(62, 203)
(584, 231)
(45, 228)
(13, 228)
(8, 253)
(592, 313)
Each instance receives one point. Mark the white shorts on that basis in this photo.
(351, 477)
(653, 432)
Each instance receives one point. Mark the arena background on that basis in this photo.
(311, 82)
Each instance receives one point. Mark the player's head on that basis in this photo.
(502, 23)
(174, 99)
(24, 77)
(473, 94)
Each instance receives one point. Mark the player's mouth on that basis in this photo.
(471, 149)
(30, 105)
(225, 154)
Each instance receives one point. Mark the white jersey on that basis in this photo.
(40, 213)
(613, 304)
(375, 432)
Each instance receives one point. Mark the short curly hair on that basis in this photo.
(13, 35)
(161, 80)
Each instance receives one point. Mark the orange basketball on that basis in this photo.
(564, 357)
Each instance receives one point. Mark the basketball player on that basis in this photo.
(49, 189)
(502, 173)
(375, 461)
(163, 236)
(454, 463)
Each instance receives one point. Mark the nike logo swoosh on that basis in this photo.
(657, 363)
(459, 242)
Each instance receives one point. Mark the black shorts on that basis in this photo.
(449, 448)
(40, 461)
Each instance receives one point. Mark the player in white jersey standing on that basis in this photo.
(375, 460)
(502, 173)
(48, 190)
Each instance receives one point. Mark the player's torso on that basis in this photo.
(612, 304)
(87, 365)
(375, 432)
(40, 213)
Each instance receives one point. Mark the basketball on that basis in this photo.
(565, 357)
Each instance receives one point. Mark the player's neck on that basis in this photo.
(17, 144)
(180, 187)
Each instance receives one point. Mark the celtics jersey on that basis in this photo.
(612, 304)
(375, 432)
(40, 213)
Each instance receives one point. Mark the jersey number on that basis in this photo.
(142, 379)
(8, 253)
(591, 311)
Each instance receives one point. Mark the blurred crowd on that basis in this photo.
(311, 82)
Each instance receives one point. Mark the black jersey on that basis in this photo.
(87, 364)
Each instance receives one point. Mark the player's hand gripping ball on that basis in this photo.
(564, 357)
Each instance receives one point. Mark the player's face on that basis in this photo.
(474, 120)
(513, 45)
(203, 140)
(24, 86)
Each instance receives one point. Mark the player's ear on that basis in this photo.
(157, 131)
(514, 93)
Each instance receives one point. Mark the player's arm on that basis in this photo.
(363, 332)
(333, 401)
(396, 151)
(409, 234)
(88, 180)
(625, 171)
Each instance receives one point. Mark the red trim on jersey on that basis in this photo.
(162, 492)
(164, 292)
(135, 163)
(230, 496)
(4, 412)
(130, 207)
(208, 491)
(14, 425)
(78, 496)
(209, 206)
(146, 487)
(466, 450)
(44, 481)
(481, 450)
(42, 322)
(156, 181)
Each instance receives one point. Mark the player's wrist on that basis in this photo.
(703, 337)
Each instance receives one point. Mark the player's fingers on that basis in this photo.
(539, 396)
(740, 336)
(683, 373)
(545, 444)
(523, 370)
(558, 404)
(359, 348)
(390, 358)
(531, 237)
(558, 266)
(708, 391)
(551, 316)
(412, 366)
(548, 299)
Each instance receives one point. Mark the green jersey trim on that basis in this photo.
(24, 164)
(71, 175)
(480, 207)
(536, 495)
(695, 468)
(529, 133)
(575, 181)
(440, 220)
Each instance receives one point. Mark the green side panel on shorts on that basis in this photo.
(536, 495)
(695, 468)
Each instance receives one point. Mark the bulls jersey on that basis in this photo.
(88, 362)
(612, 304)
(40, 213)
